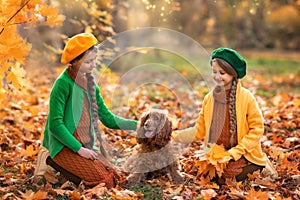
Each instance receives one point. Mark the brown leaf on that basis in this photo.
(96, 192)
(236, 194)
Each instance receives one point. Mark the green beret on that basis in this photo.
(237, 62)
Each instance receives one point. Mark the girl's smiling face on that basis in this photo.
(220, 77)
(87, 63)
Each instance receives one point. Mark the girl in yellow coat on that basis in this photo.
(230, 116)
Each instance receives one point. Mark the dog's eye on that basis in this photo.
(156, 118)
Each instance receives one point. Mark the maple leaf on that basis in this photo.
(214, 162)
(29, 151)
(51, 14)
(13, 48)
(17, 77)
(256, 195)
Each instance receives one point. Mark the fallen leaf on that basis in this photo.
(29, 151)
(256, 195)
(39, 195)
(208, 194)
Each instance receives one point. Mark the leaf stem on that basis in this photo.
(14, 15)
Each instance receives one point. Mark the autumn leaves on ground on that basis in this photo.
(23, 117)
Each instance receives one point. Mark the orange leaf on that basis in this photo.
(277, 139)
(259, 195)
(75, 195)
(40, 195)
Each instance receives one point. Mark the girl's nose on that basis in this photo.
(94, 64)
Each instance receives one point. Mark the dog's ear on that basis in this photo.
(143, 118)
(165, 132)
(162, 120)
(140, 128)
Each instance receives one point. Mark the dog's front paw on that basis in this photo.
(135, 179)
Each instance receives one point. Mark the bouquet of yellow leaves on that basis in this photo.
(212, 161)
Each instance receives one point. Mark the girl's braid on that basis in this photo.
(232, 98)
(91, 89)
(232, 112)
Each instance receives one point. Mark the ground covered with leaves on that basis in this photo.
(23, 116)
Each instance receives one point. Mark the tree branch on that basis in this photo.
(14, 15)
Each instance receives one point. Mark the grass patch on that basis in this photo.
(274, 66)
(151, 58)
(149, 192)
(282, 74)
(265, 93)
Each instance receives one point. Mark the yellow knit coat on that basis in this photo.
(250, 127)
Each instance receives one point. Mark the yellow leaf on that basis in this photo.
(17, 77)
(214, 162)
(51, 14)
(29, 151)
(12, 46)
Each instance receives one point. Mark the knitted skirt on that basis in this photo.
(92, 172)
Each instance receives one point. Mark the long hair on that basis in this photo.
(232, 97)
(91, 90)
(95, 118)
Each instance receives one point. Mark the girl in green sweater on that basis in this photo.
(75, 106)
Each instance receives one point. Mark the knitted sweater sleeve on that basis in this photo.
(58, 98)
(109, 119)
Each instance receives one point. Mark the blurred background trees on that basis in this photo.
(246, 24)
(236, 23)
(241, 24)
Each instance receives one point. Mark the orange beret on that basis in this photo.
(77, 45)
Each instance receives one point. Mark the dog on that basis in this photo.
(155, 156)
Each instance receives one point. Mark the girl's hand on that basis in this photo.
(88, 153)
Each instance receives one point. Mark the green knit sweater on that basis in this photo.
(65, 109)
